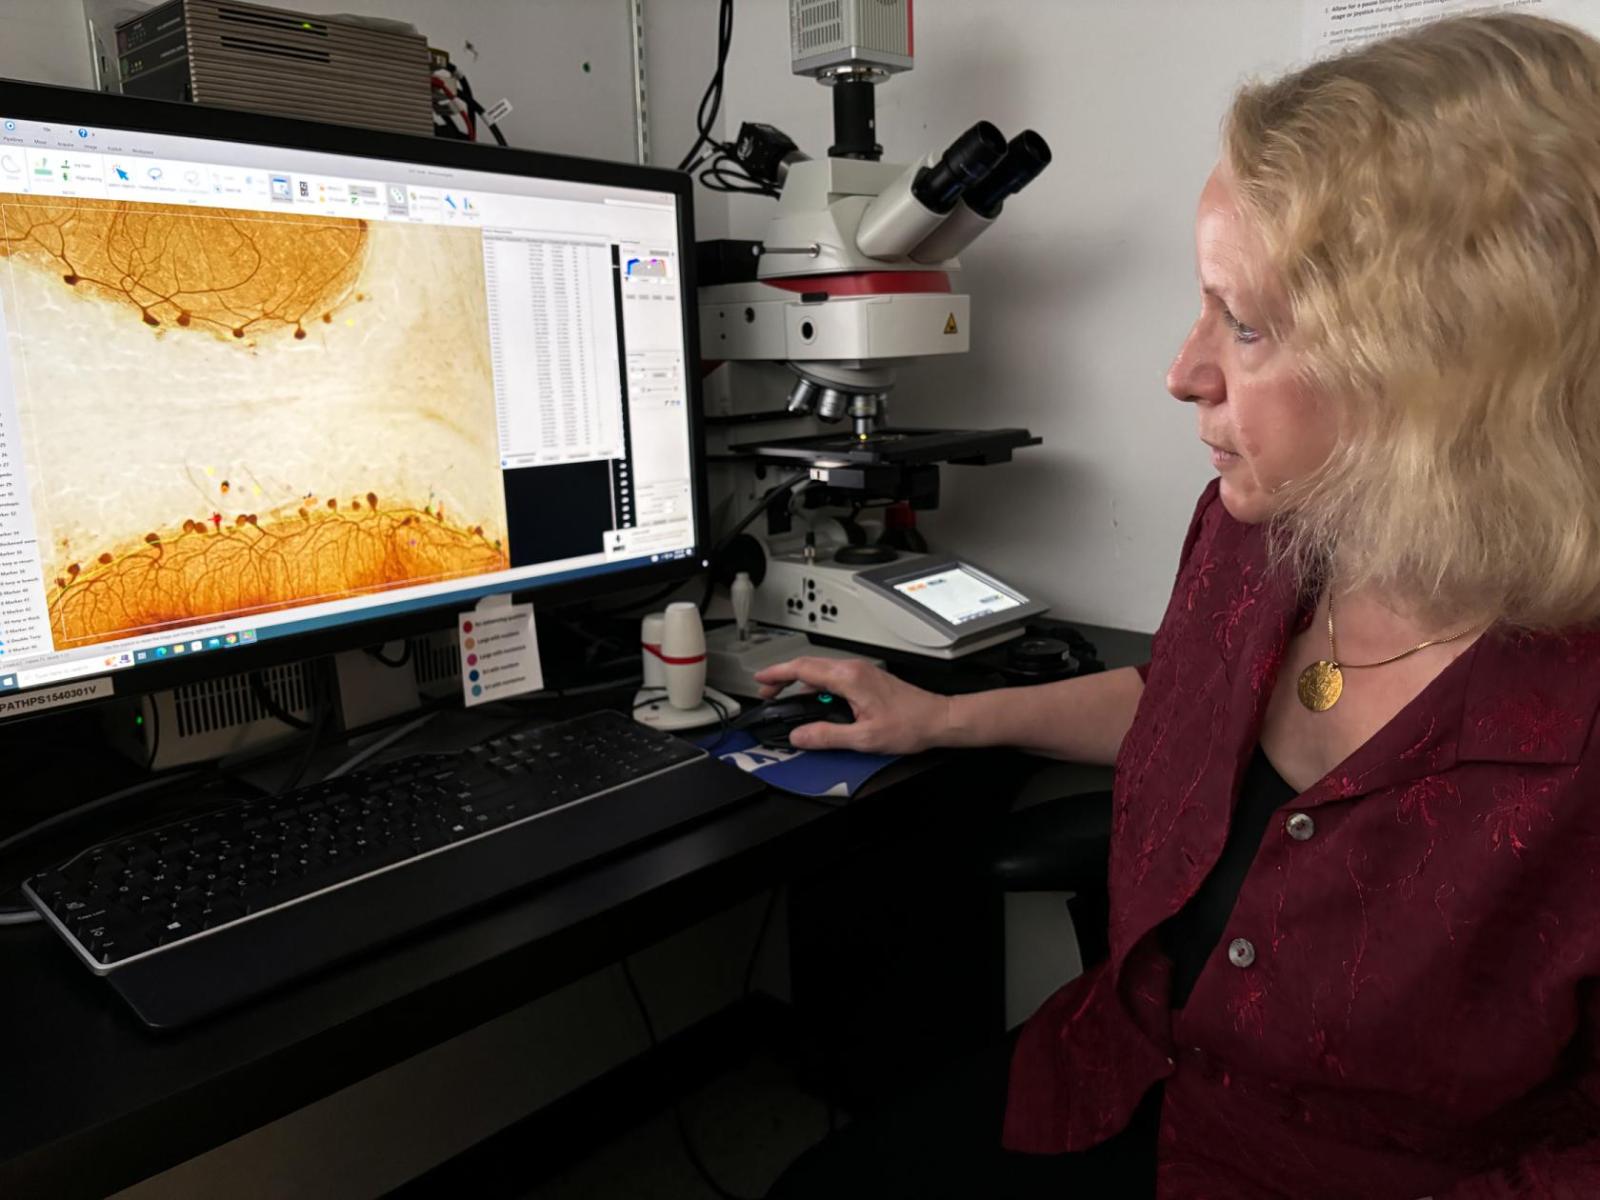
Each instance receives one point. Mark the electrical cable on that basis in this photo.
(789, 485)
(722, 544)
(155, 734)
(377, 747)
(82, 810)
(761, 936)
(711, 99)
(695, 1160)
(724, 717)
(258, 689)
(20, 916)
(323, 706)
(396, 663)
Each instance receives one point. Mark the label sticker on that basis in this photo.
(499, 647)
(55, 697)
(950, 325)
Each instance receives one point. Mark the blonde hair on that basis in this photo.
(1431, 208)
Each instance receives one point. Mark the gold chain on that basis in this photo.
(1322, 683)
(1333, 646)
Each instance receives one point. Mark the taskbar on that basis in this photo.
(109, 660)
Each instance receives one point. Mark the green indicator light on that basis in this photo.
(139, 720)
(825, 698)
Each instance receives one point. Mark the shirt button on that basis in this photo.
(1300, 826)
(1241, 953)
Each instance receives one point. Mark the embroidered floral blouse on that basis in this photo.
(1406, 1000)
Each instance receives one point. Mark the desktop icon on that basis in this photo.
(214, 643)
(161, 651)
(231, 639)
(197, 646)
(305, 189)
(122, 172)
(155, 174)
(11, 126)
(179, 648)
(83, 133)
(249, 635)
(8, 681)
(280, 188)
(141, 655)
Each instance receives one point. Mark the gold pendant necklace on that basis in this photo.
(1322, 683)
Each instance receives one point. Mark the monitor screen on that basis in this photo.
(957, 596)
(255, 388)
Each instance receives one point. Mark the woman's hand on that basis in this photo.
(891, 717)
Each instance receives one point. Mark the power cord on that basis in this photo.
(791, 484)
(724, 717)
(393, 663)
(689, 1148)
(323, 707)
(265, 698)
(761, 506)
(711, 99)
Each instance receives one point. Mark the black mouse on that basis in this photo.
(772, 723)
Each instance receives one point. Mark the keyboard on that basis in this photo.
(193, 917)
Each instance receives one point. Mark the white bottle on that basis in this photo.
(683, 655)
(654, 672)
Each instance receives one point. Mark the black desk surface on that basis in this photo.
(98, 1102)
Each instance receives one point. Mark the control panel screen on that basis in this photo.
(957, 596)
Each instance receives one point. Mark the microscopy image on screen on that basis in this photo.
(228, 412)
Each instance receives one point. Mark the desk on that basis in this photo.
(97, 1102)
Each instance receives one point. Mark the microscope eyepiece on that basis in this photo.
(981, 203)
(1026, 156)
(965, 161)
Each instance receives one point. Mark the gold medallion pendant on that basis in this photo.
(1321, 685)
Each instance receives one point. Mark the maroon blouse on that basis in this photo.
(1405, 1002)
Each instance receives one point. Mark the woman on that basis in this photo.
(1355, 865)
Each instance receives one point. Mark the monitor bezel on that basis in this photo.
(76, 106)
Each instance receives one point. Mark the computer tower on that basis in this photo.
(274, 60)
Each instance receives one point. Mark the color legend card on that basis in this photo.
(499, 653)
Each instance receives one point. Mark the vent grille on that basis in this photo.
(274, 49)
(216, 704)
(267, 19)
(821, 25)
(434, 658)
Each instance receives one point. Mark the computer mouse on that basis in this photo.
(772, 723)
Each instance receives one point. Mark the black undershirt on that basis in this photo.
(1191, 934)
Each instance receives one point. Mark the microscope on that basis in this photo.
(803, 334)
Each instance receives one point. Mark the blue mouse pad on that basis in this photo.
(829, 773)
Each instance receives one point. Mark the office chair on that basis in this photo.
(1060, 845)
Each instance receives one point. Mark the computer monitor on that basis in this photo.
(271, 389)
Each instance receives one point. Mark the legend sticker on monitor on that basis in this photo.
(956, 595)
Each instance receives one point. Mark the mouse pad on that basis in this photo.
(827, 773)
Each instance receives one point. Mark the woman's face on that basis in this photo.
(1264, 425)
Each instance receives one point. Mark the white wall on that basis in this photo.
(44, 41)
(1084, 289)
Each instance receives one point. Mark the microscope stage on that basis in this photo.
(894, 447)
